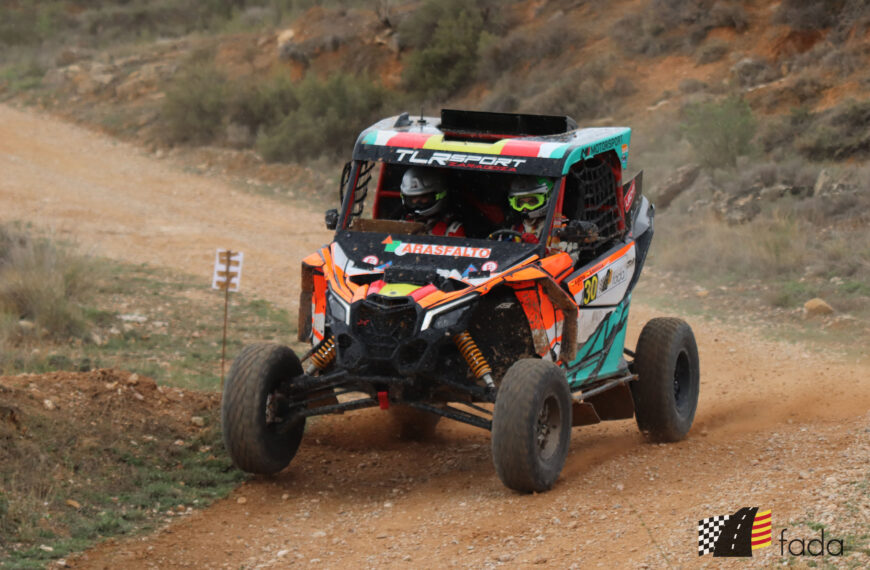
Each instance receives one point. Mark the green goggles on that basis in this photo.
(527, 201)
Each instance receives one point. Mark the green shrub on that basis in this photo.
(328, 116)
(260, 105)
(28, 23)
(719, 131)
(195, 105)
(838, 134)
(499, 54)
(445, 35)
(712, 52)
(43, 284)
(668, 25)
(803, 15)
(448, 61)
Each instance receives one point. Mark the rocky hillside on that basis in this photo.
(634, 61)
(750, 118)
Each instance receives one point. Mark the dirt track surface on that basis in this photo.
(777, 427)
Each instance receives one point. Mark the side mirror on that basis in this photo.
(579, 231)
(331, 219)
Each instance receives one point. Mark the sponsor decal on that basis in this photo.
(468, 270)
(590, 289)
(371, 260)
(482, 161)
(489, 266)
(397, 247)
(629, 195)
(611, 279)
(605, 144)
(749, 529)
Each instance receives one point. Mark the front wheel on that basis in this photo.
(260, 433)
(666, 391)
(531, 425)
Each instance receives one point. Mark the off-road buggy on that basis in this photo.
(523, 339)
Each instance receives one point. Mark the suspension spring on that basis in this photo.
(323, 356)
(476, 362)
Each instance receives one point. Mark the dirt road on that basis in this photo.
(777, 427)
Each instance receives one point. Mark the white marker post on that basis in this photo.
(227, 276)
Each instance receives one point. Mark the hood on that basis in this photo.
(419, 266)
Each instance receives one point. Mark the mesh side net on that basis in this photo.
(590, 195)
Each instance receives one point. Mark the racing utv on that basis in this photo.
(523, 337)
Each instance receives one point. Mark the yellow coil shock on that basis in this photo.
(323, 356)
(476, 362)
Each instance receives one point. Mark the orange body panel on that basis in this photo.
(557, 264)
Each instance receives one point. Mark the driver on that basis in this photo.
(424, 197)
(529, 196)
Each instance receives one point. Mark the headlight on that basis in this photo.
(337, 308)
(448, 320)
(447, 316)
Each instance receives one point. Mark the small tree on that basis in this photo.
(719, 131)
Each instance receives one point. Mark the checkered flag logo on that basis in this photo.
(737, 534)
(709, 530)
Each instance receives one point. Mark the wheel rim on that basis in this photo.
(682, 382)
(548, 426)
(278, 417)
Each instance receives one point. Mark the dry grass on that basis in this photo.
(704, 246)
(43, 284)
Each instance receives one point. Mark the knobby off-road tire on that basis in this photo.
(413, 424)
(255, 443)
(666, 391)
(531, 425)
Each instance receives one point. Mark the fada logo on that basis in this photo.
(735, 535)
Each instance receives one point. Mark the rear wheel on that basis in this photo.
(259, 432)
(413, 424)
(666, 391)
(531, 425)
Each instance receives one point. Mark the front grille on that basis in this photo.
(381, 323)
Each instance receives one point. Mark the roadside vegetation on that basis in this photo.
(64, 311)
(117, 345)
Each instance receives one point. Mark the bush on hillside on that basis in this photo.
(802, 15)
(195, 104)
(524, 47)
(719, 131)
(327, 119)
(445, 35)
(261, 105)
(840, 133)
(669, 25)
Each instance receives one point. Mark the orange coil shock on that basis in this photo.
(323, 356)
(476, 362)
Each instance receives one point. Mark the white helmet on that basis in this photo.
(529, 195)
(423, 191)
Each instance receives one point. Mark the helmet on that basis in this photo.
(529, 195)
(423, 191)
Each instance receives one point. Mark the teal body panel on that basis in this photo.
(601, 354)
